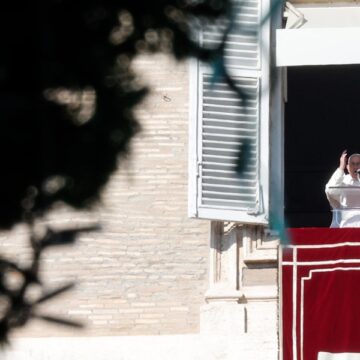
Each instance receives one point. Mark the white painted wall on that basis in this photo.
(109, 348)
(318, 46)
(167, 347)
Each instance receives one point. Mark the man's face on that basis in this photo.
(353, 165)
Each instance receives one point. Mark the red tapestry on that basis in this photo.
(321, 294)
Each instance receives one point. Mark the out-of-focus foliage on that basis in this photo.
(67, 95)
(67, 91)
(17, 303)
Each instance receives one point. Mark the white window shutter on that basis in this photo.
(220, 122)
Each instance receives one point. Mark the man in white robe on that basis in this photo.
(343, 192)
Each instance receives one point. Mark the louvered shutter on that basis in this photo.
(220, 123)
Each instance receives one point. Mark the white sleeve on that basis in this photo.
(336, 179)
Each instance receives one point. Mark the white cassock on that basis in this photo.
(343, 193)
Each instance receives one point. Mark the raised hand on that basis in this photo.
(343, 160)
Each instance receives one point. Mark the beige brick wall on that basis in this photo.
(146, 271)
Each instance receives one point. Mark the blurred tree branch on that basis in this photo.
(67, 94)
(68, 91)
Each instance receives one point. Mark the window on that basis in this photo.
(220, 124)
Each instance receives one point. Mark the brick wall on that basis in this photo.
(145, 272)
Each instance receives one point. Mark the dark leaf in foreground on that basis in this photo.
(54, 293)
(58, 321)
(64, 237)
(243, 160)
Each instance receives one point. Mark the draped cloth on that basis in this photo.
(320, 294)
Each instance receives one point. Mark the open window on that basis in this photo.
(321, 120)
(319, 47)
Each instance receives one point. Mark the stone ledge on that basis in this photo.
(247, 294)
(268, 256)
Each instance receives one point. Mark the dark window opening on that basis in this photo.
(322, 118)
